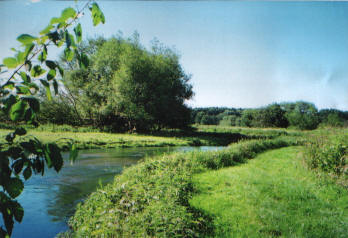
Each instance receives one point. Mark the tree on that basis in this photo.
(132, 88)
(304, 116)
(23, 155)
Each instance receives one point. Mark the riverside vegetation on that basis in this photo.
(222, 194)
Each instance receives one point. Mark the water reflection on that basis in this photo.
(50, 200)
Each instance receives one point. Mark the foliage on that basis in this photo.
(329, 154)
(272, 195)
(130, 88)
(304, 116)
(31, 69)
(152, 198)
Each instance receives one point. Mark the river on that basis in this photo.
(50, 200)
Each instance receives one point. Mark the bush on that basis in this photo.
(329, 154)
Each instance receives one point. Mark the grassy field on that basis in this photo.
(272, 195)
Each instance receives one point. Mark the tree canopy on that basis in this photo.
(128, 87)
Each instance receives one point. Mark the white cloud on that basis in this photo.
(35, 1)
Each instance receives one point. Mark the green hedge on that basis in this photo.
(152, 198)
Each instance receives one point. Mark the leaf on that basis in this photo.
(29, 116)
(61, 70)
(33, 102)
(8, 102)
(27, 173)
(33, 87)
(67, 39)
(17, 211)
(20, 131)
(25, 77)
(69, 54)
(48, 90)
(53, 156)
(73, 153)
(54, 37)
(26, 39)
(17, 110)
(14, 187)
(37, 71)
(20, 57)
(10, 62)
(9, 85)
(68, 13)
(55, 20)
(51, 74)
(18, 166)
(28, 49)
(23, 90)
(46, 30)
(51, 64)
(28, 65)
(78, 33)
(97, 15)
(72, 39)
(43, 55)
(84, 61)
(55, 86)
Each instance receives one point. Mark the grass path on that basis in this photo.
(272, 195)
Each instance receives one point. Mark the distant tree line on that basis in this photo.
(301, 115)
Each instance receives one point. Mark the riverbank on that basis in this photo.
(88, 138)
(152, 198)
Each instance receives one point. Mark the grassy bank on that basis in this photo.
(272, 195)
(86, 137)
(152, 198)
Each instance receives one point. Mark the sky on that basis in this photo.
(240, 54)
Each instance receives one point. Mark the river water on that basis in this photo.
(49, 200)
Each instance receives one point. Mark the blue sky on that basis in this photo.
(240, 54)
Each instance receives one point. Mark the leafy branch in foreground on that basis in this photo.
(28, 70)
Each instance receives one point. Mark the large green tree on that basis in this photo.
(129, 87)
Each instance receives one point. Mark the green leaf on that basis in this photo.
(17, 110)
(23, 90)
(68, 13)
(28, 49)
(28, 65)
(55, 20)
(43, 55)
(9, 85)
(84, 61)
(25, 77)
(54, 37)
(37, 71)
(53, 156)
(17, 211)
(72, 39)
(61, 70)
(69, 54)
(55, 86)
(67, 39)
(46, 30)
(32, 86)
(34, 103)
(51, 64)
(27, 173)
(26, 39)
(18, 166)
(97, 15)
(29, 116)
(78, 33)
(9, 102)
(21, 57)
(73, 153)
(10, 62)
(51, 74)
(48, 90)
(14, 187)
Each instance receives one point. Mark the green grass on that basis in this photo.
(272, 195)
(151, 199)
(87, 137)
